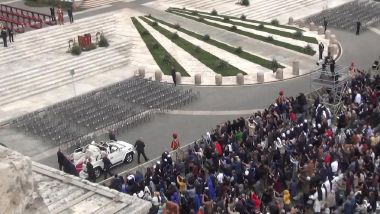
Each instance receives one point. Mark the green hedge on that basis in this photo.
(163, 59)
(252, 35)
(234, 50)
(232, 17)
(264, 29)
(211, 61)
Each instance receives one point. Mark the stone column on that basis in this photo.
(296, 68)
(240, 79)
(218, 79)
(141, 72)
(279, 74)
(178, 77)
(198, 79)
(260, 77)
(158, 76)
(311, 26)
(291, 21)
(327, 34)
(333, 39)
(321, 30)
(332, 49)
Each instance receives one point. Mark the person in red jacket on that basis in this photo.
(175, 142)
(256, 201)
(218, 148)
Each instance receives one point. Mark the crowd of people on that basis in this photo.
(294, 157)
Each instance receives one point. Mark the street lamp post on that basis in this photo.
(72, 73)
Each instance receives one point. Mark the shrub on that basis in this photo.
(245, 2)
(76, 50)
(166, 59)
(206, 37)
(308, 49)
(226, 19)
(177, 26)
(175, 35)
(103, 41)
(145, 32)
(150, 15)
(269, 38)
(275, 22)
(274, 65)
(201, 19)
(261, 26)
(154, 24)
(238, 50)
(233, 28)
(221, 65)
(195, 13)
(214, 12)
(243, 17)
(297, 34)
(155, 45)
(197, 49)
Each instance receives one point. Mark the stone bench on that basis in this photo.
(218, 79)
(178, 78)
(158, 76)
(296, 68)
(198, 79)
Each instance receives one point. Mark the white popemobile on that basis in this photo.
(117, 151)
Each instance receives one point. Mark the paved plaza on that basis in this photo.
(35, 69)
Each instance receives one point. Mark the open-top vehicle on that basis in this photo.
(117, 151)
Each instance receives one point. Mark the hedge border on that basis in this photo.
(203, 56)
(245, 55)
(157, 53)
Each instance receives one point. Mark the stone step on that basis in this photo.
(62, 71)
(13, 80)
(92, 3)
(28, 52)
(55, 84)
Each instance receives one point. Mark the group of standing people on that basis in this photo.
(7, 32)
(61, 20)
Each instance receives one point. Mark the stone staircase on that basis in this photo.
(87, 4)
(38, 62)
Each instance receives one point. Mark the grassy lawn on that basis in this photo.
(252, 35)
(163, 59)
(234, 50)
(211, 61)
(233, 17)
(307, 39)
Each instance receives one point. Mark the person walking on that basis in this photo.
(140, 145)
(107, 166)
(10, 34)
(321, 49)
(175, 142)
(325, 23)
(52, 14)
(174, 76)
(358, 25)
(4, 36)
(61, 159)
(90, 171)
(111, 135)
(70, 14)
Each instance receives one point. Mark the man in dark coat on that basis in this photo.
(10, 34)
(358, 25)
(61, 159)
(112, 135)
(90, 171)
(4, 36)
(70, 14)
(174, 76)
(325, 23)
(69, 167)
(140, 145)
(321, 49)
(107, 167)
(52, 13)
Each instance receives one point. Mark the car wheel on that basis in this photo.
(128, 158)
(98, 172)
